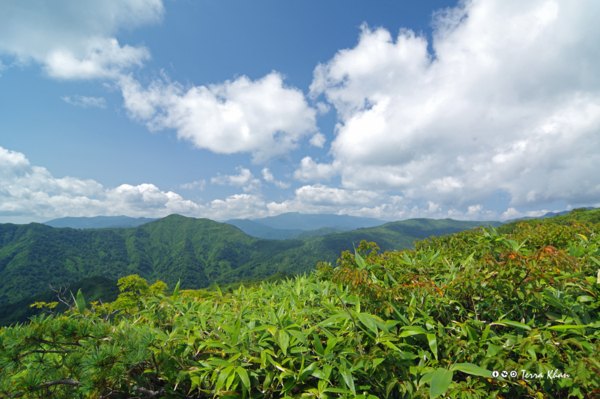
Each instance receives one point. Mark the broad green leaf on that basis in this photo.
(440, 381)
(359, 260)
(223, 378)
(244, 377)
(332, 319)
(176, 292)
(80, 302)
(484, 335)
(426, 378)
(261, 328)
(299, 335)
(288, 386)
(236, 330)
(349, 380)
(586, 298)
(307, 371)
(218, 290)
(566, 327)
(431, 338)
(284, 341)
(493, 350)
(368, 321)
(331, 342)
(319, 374)
(511, 323)
(472, 369)
(411, 330)
(318, 345)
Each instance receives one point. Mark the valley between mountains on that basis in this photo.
(197, 252)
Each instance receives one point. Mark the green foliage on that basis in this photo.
(95, 289)
(197, 252)
(134, 290)
(424, 323)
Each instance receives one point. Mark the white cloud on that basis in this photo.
(510, 101)
(197, 185)
(323, 195)
(318, 198)
(263, 117)
(245, 180)
(268, 176)
(317, 140)
(238, 206)
(322, 108)
(76, 39)
(311, 171)
(30, 192)
(85, 102)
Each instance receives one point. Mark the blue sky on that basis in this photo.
(480, 110)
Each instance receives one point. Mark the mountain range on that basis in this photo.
(547, 215)
(281, 227)
(199, 252)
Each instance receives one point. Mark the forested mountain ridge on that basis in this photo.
(198, 252)
(430, 321)
(258, 230)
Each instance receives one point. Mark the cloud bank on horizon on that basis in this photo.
(506, 101)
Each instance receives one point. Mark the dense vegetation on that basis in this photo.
(96, 288)
(197, 252)
(429, 322)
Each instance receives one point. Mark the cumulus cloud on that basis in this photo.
(263, 117)
(238, 206)
(311, 171)
(85, 102)
(509, 100)
(268, 176)
(29, 192)
(318, 198)
(323, 108)
(197, 185)
(76, 39)
(245, 180)
(317, 140)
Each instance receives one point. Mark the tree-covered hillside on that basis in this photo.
(95, 288)
(198, 252)
(476, 314)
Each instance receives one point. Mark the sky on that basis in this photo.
(223, 109)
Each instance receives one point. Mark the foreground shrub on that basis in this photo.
(432, 322)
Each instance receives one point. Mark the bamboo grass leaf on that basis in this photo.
(80, 302)
(440, 382)
(472, 369)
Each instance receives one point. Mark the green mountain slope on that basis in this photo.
(258, 230)
(199, 252)
(591, 215)
(547, 215)
(95, 288)
(317, 233)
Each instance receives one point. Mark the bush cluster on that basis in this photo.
(436, 321)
